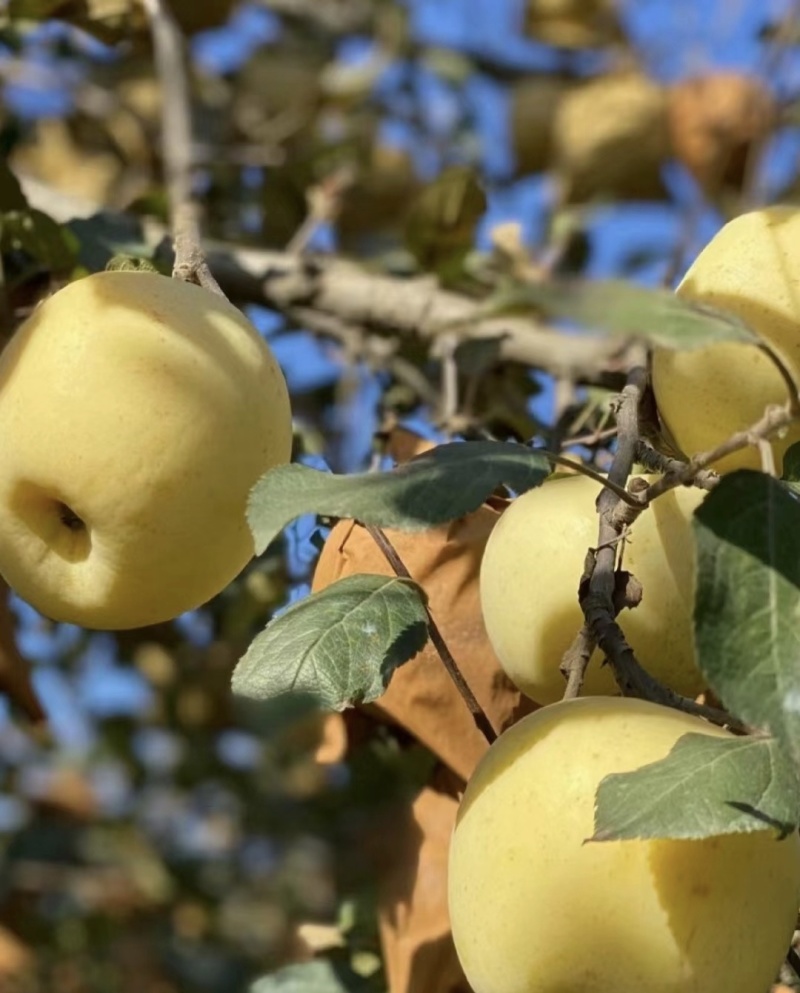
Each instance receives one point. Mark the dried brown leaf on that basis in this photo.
(419, 955)
(714, 121)
(445, 561)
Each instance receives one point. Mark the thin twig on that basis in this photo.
(591, 438)
(606, 482)
(176, 144)
(657, 462)
(775, 419)
(324, 201)
(445, 350)
(478, 714)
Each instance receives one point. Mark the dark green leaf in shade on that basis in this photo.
(105, 235)
(705, 786)
(40, 10)
(39, 236)
(619, 308)
(791, 466)
(11, 195)
(747, 605)
(476, 355)
(341, 644)
(439, 486)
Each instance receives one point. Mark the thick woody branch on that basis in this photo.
(419, 306)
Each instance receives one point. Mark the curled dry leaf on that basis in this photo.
(611, 138)
(714, 122)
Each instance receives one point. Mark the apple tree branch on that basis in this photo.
(176, 145)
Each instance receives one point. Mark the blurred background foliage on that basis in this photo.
(165, 839)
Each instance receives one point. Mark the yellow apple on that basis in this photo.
(751, 268)
(535, 910)
(136, 412)
(529, 587)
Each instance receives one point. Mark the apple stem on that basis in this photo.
(479, 715)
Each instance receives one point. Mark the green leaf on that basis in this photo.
(105, 235)
(341, 645)
(747, 603)
(619, 308)
(441, 221)
(38, 235)
(791, 465)
(705, 786)
(439, 486)
(317, 976)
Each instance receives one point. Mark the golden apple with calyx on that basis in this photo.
(136, 413)
(529, 587)
(534, 909)
(704, 395)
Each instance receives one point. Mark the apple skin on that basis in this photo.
(535, 910)
(136, 413)
(752, 269)
(529, 587)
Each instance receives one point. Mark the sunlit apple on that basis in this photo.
(535, 909)
(529, 587)
(752, 269)
(136, 412)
